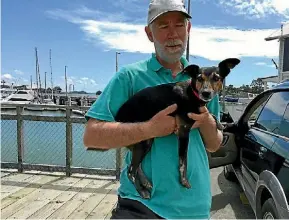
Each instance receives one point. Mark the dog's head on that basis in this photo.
(206, 82)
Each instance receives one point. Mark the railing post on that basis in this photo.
(118, 164)
(20, 138)
(68, 141)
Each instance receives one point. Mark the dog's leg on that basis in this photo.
(183, 150)
(144, 181)
(135, 172)
(183, 130)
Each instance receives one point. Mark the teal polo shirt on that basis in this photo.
(169, 198)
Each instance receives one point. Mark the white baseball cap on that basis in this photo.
(159, 7)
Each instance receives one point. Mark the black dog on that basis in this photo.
(189, 95)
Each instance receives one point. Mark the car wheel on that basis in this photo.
(229, 174)
(269, 210)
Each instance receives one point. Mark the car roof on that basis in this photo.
(282, 85)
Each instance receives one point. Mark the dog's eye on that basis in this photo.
(200, 78)
(216, 78)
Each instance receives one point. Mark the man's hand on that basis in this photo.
(162, 123)
(206, 123)
(203, 118)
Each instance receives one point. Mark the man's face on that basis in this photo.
(169, 32)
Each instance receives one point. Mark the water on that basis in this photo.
(45, 143)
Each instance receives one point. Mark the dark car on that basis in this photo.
(255, 152)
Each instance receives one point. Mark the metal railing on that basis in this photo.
(51, 140)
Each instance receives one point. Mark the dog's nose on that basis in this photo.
(206, 94)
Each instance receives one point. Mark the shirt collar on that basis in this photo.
(156, 66)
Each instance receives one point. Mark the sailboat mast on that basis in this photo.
(36, 71)
(65, 81)
(31, 82)
(51, 75)
(39, 77)
(45, 81)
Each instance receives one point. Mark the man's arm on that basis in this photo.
(206, 123)
(106, 135)
(211, 136)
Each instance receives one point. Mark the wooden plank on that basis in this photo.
(4, 174)
(106, 205)
(108, 216)
(60, 200)
(10, 182)
(64, 211)
(87, 207)
(34, 185)
(9, 187)
(37, 199)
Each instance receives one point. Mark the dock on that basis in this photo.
(53, 195)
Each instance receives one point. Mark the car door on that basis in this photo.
(255, 151)
(229, 151)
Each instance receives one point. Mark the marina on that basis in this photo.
(46, 171)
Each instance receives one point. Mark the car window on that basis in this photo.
(272, 114)
(284, 127)
(256, 113)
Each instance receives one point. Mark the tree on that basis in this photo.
(257, 86)
(98, 92)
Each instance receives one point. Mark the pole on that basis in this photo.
(118, 152)
(188, 43)
(116, 61)
(36, 70)
(51, 75)
(65, 82)
(45, 81)
(224, 94)
(31, 82)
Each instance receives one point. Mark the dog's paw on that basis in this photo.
(144, 193)
(143, 179)
(185, 183)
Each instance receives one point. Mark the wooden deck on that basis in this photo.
(42, 195)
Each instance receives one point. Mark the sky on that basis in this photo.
(85, 35)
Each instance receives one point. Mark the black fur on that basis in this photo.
(146, 103)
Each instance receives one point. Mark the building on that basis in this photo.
(283, 67)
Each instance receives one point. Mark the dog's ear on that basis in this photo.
(192, 70)
(226, 65)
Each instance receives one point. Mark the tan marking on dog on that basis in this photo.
(218, 86)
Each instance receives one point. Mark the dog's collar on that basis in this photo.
(196, 94)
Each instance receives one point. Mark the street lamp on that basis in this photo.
(118, 151)
(188, 43)
(116, 61)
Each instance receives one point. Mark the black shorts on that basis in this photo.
(132, 209)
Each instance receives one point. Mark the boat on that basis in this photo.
(230, 98)
(19, 97)
(5, 92)
(49, 101)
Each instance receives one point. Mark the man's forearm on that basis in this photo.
(106, 135)
(211, 136)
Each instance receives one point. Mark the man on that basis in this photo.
(168, 28)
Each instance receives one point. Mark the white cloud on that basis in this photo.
(209, 42)
(265, 64)
(204, 41)
(257, 8)
(18, 72)
(7, 76)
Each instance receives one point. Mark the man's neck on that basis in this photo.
(174, 67)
